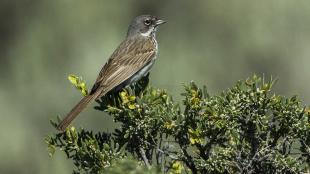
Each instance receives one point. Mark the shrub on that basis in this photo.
(245, 129)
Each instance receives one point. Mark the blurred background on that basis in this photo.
(211, 42)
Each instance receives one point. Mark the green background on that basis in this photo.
(211, 42)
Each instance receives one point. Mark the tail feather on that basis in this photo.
(76, 110)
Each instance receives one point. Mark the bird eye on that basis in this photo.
(147, 22)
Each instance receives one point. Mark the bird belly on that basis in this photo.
(137, 76)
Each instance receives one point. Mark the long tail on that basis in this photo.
(76, 110)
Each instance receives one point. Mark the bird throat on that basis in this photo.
(150, 32)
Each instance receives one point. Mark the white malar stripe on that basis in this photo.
(148, 33)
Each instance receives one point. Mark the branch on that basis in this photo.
(146, 161)
(189, 160)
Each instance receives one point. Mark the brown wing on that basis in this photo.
(130, 56)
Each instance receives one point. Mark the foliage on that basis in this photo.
(78, 83)
(245, 129)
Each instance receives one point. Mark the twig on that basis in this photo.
(146, 161)
(161, 151)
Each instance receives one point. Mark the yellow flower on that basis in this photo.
(195, 99)
(194, 136)
(176, 168)
(128, 100)
(124, 97)
(131, 105)
(132, 98)
(170, 124)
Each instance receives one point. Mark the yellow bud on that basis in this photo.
(123, 94)
(131, 106)
(132, 98)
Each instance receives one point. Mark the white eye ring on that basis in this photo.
(147, 22)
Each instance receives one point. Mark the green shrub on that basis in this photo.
(245, 129)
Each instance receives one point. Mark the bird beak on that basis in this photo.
(159, 22)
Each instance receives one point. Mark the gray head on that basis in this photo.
(144, 25)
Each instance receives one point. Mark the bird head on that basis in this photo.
(145, 25)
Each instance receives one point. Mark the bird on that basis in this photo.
(131, 61)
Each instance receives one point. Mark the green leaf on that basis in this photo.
(51, 150)
(78, 83)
